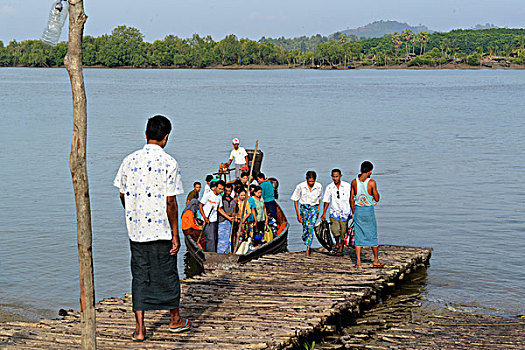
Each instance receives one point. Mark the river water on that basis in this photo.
(447, 145)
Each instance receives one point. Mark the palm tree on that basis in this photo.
(406, 34)
(397, 42)
(423, 39)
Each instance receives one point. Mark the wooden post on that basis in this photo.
(78, 167)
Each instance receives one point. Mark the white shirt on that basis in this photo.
(207, 189)
(303, 194)
(339, 207)
(239, 155)
(146, 177)
(211, 202)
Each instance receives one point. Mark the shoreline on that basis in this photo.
(449, 66)
(406, 320)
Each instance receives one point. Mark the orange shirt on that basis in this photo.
(188, 221)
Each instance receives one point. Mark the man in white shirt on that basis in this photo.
(209, 205)
(207, 186)
(337, 194)
(149, 181)
(240, 155)
(307, 201)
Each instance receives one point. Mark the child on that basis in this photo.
(258, 211)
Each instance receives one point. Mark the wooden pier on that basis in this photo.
(276, 302)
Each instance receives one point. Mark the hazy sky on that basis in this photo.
(252, 19)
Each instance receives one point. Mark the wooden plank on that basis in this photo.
(269, 303)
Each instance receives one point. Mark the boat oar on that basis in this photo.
(246, 199)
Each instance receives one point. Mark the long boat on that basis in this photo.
(210, 260)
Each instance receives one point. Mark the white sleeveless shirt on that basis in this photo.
(362, 197)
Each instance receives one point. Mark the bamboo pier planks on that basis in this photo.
(274, 302)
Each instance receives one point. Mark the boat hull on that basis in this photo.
(211, 261)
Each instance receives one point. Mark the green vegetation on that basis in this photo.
(125, 47)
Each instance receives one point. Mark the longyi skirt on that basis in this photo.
(365, 226)
(155, 284)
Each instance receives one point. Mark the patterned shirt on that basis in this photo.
(146, 177)
(339, 199)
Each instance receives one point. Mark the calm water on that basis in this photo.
(448, 148)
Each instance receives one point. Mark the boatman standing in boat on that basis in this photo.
(337, 194)
(363, 197)
(240, 155)
(149, 181)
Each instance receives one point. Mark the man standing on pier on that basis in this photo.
(337, 194)
(149, 181)
(363, 198)
(240, 155)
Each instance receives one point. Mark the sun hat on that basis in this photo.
(235, 141)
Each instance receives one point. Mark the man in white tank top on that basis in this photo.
(363, 197)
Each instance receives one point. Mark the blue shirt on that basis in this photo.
(267, 191)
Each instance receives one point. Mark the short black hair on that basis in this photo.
(213, 184)
(221, 182)
(252, 187)
(244, 173)
(257, 188)
(366, 166)
(336, 171)
(311, 175)
(157, 128)
(261, 176)
(240, 190)
(197, 183)
(228, 186)
(209, 178)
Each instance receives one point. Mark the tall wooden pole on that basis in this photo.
(78, 167)
(236, 245)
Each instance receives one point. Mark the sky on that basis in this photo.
(252, 19)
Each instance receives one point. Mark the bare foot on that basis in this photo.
(357, 266)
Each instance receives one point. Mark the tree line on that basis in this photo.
(125, 47)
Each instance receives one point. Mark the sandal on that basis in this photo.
(137, 340)
(378, 266)
(186, 327)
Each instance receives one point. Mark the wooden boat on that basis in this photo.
(210, 260)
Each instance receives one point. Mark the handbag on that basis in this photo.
(322, 232)
(268, 234)
(245, 247)
(350, 235)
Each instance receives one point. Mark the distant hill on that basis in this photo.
(484, 26)
(379, 29)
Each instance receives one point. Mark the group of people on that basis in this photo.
(226, 206)
(358, 198)
(149, 180)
